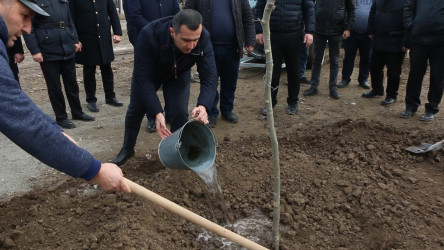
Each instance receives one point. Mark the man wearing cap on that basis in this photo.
(27, 126)
(53, 42)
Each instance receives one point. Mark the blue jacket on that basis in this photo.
(154, 60)
(34, 131)
(142, 12)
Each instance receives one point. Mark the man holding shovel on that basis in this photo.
(164, 54)
(27, 126)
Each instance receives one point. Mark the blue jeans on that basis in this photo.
(357, 41)
(227, 64)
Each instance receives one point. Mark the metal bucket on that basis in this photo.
(193, 146)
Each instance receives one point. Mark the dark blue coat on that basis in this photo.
(53, 36)
(154, 59)
(93, 20)
(142, 12)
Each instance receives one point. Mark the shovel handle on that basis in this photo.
(190, 216)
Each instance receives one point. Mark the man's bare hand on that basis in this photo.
(19, 57)
(78, 47)
(308, 40)
(161, 127)
(260, 38)
(110, 178)
(37, 57)
(346, 34)
(116, 38)
(249, 48)
(199, 113)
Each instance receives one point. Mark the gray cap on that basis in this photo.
(32, 4)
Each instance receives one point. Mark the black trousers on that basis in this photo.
(89, 80)
(52, 70)
(420, 57)
(393, 61)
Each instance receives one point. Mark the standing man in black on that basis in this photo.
(230, 23)
(93, 21)
(286, 24)
(424, 22)
(53, 42)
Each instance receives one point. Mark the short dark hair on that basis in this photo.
(191, 18)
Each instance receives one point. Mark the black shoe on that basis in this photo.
(114, 102)
(84, 117)
(293, 109)
(371, 94)
(388, 101)
(123, 156)
(343, 84)
(230, 117)
(407, 113)
(311, 91)
(427, 116)
(66, 124)
(92, 107)
(334, 93)
(364, 85)
(212, 121)
(151, 126)
(304, 80)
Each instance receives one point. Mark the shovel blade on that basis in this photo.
(422, 148)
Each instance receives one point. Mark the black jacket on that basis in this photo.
(155, 58)
(289, 16)
(385, 22)
(424, 21)
(243, 19)
(334, 16)
(93, 21)
(53, 36)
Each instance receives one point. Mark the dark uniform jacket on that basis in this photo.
(385, 22)
(334, 16)
(424, 21)
(142, 12)
(243, 20)
(16, 48)
(53, 36)
(155, 58)
(288, 17)
(93, 20)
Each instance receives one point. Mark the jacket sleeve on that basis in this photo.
(72, 26)
(350, 7)
(409, 14)
(371, 19)
(258, 14)
(309, 16)
(206, 66)
(17, 47)
(135, 16)
(191, 4)
(247, 20)
(176, 7)
(114, 18)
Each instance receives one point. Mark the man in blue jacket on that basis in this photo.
(424, 22)
(165, 52)
(27, 126)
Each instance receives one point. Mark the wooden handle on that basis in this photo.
(188, 215)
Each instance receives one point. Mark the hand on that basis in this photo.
(117, 38)
(18, 57)
(161, 127)
(78, 47)
(37, 57)
(371, 36)
(346, 34)
(110, 178)
(249, 48)
(308, 39)
(199, 113)
(405, 49)
(260, 38)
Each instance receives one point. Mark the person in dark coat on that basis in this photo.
(231, 27)
(93, 21)
(424, 23)
(141, 13)
(53, 42)
(387, 48)
(130, 29)
(16, 55)
(165, 52)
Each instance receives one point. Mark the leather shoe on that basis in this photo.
(293, 109)
(151, 126)
(371, 94)
(388, 101)
(311, 91)
(92, 107)
(407, 113)
(84, 117)
(229, 117)
(212, 121)
(304, 80)
(66, 124)
(334, 93)
(343, 84)
(427, 116)
(364, 85)
(114, 102)
(123, 156)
